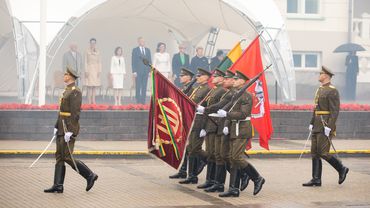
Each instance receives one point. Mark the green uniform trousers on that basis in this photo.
(320, 146)
(195, 144)
(210, 146)
(225, 149)
(62, 154)
(237, 148)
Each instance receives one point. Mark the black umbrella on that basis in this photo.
(349, 47)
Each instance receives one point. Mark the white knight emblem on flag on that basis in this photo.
(258, 110)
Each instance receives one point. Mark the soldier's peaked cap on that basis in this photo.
(185, 71)
(229, 74)
(72, 72)
(218, 73)
(240, 75)
(203, 72)
(327, 71)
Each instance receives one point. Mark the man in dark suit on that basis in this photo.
(199, 61)
(179, 60)
(140, 70)
(215, 61)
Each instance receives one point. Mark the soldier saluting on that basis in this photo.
(66, 130)
(322, 127)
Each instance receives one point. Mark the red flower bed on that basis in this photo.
(17, 106)
(306, 107)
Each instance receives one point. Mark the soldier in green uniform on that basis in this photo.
(222, 149)
(238, 118)
(209, 130)
(66, 131)
(195, 142)
(322, 127)
(185, 78)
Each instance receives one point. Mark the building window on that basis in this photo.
(292, 6)
(306, 60)
(303, 8)
(311, 7)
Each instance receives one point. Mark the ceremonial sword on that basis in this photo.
(46, 148)
(305, 144)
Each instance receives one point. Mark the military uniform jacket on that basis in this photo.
(197, 96)
(327, 105)
(215, 96)
(239, 118)
(186, 86)
(225, 99)
(69, 110)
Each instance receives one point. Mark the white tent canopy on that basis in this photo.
(8, 83)
(18, 55)
(119, 23)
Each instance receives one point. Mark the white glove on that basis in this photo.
(327, 131)
(310, 127)
(225, 130)
(67, 136)
(200, 109)
(203, 133)
(55, 131)
(222, 113)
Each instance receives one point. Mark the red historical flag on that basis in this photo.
(170, 118)
(250, 63)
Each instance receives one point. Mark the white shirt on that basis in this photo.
(118, 65)
(161, 61)
(142, 50)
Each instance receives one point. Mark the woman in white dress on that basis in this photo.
(161, 61)
(118, 71)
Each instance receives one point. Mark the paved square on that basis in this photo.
(145, 183)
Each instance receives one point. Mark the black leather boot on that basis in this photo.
(210, 176)
(256, 178)
(59, 173)
(201, 163)
(316, 173)
(342, 170)
(234, 184)
(183, 169)
(244, 179)
(192, 177)
(85, 172)
(219, 181)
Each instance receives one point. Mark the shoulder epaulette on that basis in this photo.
(331, 86)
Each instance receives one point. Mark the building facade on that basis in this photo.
(316, 28)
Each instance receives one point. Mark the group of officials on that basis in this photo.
(222, 120)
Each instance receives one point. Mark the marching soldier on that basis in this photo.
(322, 127)
(185, 78)
(66, 131)
(238, 119)
(195, 143)
(209, 131)
(222, 144)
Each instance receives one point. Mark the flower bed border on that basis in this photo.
(282, 107)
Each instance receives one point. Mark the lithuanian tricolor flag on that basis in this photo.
(231, 57)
